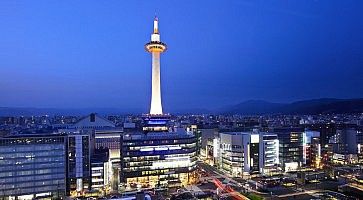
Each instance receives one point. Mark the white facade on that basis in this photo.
(269, 151)
(248, 152)
(101, 175)
(231, 152)
(156, 108)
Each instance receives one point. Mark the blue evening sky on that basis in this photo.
(69, 54)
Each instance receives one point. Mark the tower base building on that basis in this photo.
(158, 159)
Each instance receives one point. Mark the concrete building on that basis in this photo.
(33, 166)
(246, 153)
(269, 154)
(206, 144)
(231, 152)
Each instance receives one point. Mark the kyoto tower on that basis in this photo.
(155, 47)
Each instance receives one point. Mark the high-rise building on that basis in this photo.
(79, 162)
(33, 166)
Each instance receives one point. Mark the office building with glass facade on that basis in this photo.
(291, 146)
(33, 166)
(158, 159)
(311, 149)
(79, 162)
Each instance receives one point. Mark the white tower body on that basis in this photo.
(156, 107)
(155, 47)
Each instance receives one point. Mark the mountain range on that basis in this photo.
(251, 107)
(313, 106)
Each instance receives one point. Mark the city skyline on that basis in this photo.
(220, 54)
(105, 123)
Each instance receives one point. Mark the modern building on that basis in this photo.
(101, 171)
(208, 153)
(158, 159)
(33, 166)
(311, 149)
(207, 135)
(351, 139)
(344, 141)
(156, 123)
(109, 138)
(247, 153)
(291, 147)
(231, 152)
(269, 161)
(344, 159)
(328, 130)
(79, 151)
(84, 136)
(360, 145)
(346, 146)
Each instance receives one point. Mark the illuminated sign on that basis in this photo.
(255, 138)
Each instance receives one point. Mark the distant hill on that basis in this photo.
(251, 107)
(23, 111)
(314, 106)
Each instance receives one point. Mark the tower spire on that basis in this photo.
(156, 31)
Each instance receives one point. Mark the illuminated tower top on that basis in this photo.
(155, 45)
(156, 31)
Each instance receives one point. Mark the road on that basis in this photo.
(241, 184)
(227, 180)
